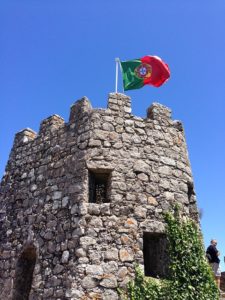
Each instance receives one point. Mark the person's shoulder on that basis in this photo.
(210, 248)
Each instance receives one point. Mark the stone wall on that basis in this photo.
(86, 250)
(222, 281)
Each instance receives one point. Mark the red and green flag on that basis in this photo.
(149, 70)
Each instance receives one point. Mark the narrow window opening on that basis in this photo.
(99, 187)
(190, 191)
(24, 273)
(156, 260)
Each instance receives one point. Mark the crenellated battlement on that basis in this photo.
(79, 109)
(119, 105)
(157, 112)
(24, 136)
(51, 124)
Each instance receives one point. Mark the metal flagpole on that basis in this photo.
(117, 60)
(121, 73)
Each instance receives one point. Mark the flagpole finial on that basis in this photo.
(117, 59)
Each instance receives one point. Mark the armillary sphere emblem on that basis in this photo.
(143, 71)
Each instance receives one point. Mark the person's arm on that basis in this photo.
(216, 251)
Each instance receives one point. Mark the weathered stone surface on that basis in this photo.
(84, 246)
(57, 195)
(111, 254)
(152, 201)
(109, 281)
(95, 222)
(122, 272)
(110, 267)
(143, 177)
(65, 201)
(86, 241)
(75, 294)
(126, 255)
(89, 282)
(140, 212)
(33, 187)
(58, 269)
(165, 170)
(110, 295)
(126, 240)
(94, 270)
(141, 166)
(131, 223)
(65, 256)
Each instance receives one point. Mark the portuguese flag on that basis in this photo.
(149, 70)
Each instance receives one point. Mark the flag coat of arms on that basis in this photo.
(148, 70)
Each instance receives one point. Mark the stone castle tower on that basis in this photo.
(81, 202)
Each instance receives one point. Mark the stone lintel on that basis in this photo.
(100, 167)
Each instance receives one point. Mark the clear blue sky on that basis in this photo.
(53, 52)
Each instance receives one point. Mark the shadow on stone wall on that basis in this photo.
(24, 273)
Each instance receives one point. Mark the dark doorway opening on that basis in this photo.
(99, 187)
(24, 273)
(156, 260)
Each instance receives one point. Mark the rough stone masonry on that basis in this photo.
(82, 202)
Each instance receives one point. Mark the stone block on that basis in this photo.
(89, 282)
(111, 254)
(58, 269)
(140, 212)
(94, 270)
(141, 167)
(126, 255)
(109, 281)
(65, 257)
(86, 241)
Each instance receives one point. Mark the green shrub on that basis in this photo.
(142, 288)
(190, 276)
